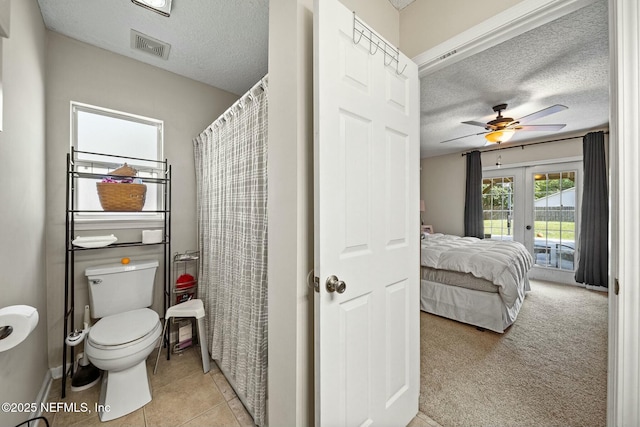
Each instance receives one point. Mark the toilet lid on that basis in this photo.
(123, 328)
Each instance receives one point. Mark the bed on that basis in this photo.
(479, 282)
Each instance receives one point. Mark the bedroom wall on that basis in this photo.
(442, 179)
(23, 369)
(425, 23)
(80, 72)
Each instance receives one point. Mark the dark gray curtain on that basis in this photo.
(473, 223)
(593, 265)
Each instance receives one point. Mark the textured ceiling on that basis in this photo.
(563, 62)
(401, 4)
(224, 44)
(219, 42)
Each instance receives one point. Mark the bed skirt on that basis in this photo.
(478, 308)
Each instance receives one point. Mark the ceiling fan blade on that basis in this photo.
(461, 137)
(540, 127)
(474, 123)
(542, 113)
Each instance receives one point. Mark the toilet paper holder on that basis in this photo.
(16, 324)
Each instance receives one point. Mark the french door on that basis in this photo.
(538, 206)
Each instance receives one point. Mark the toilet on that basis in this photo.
(126, 334)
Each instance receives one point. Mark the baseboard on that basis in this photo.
(43, 395)
(56, 372)
(597, 288)
(588, 287)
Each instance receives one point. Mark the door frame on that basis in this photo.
(623, 400)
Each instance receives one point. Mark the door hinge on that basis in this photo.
(316, 284)
(616, 287)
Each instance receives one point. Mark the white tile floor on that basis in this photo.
(182, 396)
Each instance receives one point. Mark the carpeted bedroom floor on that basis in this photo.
(548, 369)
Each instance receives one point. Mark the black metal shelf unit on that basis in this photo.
(109, 162)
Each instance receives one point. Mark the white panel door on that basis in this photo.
(366, 160)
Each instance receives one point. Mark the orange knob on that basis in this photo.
(125, 260)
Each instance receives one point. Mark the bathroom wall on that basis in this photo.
(24, 368)
(80, 72)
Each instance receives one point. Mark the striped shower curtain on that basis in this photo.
(231, 176)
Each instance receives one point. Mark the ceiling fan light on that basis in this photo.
(499, 136)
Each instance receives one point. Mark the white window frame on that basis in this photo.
(118, 220)
(514, 184)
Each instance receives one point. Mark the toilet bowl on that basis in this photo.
(119, 344)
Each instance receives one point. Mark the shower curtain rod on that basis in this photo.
(261, 85)
(522, 146)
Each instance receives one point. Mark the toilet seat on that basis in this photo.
(123, 330)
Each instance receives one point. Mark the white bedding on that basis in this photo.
(504, 263)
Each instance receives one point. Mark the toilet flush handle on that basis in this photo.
(95, 281)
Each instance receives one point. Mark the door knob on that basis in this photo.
(335, 285)
(528, 227)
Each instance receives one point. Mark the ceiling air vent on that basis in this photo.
(149, 45)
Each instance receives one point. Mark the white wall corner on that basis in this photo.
(290, 67)
(624, 322)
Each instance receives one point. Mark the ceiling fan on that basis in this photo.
(501, 129)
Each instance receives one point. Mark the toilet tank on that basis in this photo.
(116, 288)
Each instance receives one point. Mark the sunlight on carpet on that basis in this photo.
(548, 369)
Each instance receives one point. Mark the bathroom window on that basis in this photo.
(100, 130)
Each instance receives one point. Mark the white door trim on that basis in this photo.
(522, 17)
(623, 392)
(624, 319)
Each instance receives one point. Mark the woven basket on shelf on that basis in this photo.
(122, 196)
